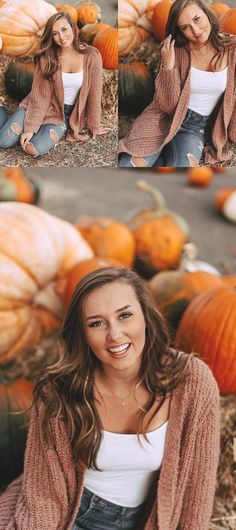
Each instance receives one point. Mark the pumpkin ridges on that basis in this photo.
(106, 41)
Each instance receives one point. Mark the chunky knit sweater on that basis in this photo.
(45, 103)
(48, 494)
(161, 120)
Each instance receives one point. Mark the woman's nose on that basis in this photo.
(114, 333)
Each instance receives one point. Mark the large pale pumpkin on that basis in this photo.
(134, 23)
(21, 25)
(14, 397)
(108, 238)
(159, 234)
(208, 327)
(37, 251)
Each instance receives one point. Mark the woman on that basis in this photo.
(193, 112)
(125, 430)
(65, 95)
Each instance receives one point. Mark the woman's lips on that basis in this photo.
(119, 352)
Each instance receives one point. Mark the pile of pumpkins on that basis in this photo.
(138, 20)
(20, 33)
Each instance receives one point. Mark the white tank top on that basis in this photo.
(72, 83)
(206, 89)
(128, 468)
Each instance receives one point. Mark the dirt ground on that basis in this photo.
(94, 153)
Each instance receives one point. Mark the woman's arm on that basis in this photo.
(168, 89)
(232, 126)
(200, 489)
(38, 101)
(93, 106)
(43, 500)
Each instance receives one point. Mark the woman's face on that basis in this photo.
(115, 327)
(62, 33)
(194, 24)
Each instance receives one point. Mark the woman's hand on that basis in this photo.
(168, 53)
(25, 139)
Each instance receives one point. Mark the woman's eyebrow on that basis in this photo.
(116, 311)
(183, 25)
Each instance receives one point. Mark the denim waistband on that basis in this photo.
(110, 506)
(191, 113)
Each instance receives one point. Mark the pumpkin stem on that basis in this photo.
(156, 195)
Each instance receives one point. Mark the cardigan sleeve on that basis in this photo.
(232, 126)
(43, 500)
(168, 89)
(199, 493)
(38, 101)
(93, 106)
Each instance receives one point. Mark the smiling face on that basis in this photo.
(115, 327)
(194, 24)
(62, 33)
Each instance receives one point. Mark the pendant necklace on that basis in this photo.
(122, 400)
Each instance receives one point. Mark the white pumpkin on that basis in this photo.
(229, 207)
(134, 23)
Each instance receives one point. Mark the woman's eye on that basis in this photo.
(95, 324)
(197, 19)
(184, 28)
(125, 315)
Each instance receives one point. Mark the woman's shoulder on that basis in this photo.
(200, 381)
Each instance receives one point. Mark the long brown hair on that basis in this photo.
(218, 40)
(67, 389)
(49, 49)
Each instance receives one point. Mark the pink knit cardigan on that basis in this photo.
(48, 495)
(161, 120)
(45, 103)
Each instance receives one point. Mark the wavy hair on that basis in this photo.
(218, 40)
(49, 49)
(67, 389)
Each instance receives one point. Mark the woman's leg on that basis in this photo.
(126, 160)
(45, 139)
(186, 148)
(11, 127)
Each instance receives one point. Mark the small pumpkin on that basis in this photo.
(15, 185)
(199, 176)
(135, 88)
(219, 169)
(208, 327)
(18, 79)
(160, 17)
(108, 238)
(159, 234)
(83, 268)
(165, 169)
(37, 251)
(89, 31)
(14, 397)
(88, 13)
(106, 41)
(227, 21)
(21, 25)
(219, 8)
(70, 10)
(134, 23)
(225, 200)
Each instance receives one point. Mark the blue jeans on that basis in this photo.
(98, 514)
(189, 140)
(45, 139)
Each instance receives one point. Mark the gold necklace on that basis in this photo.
(123, 400)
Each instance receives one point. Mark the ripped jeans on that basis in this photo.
(184, 150)
(45, 139)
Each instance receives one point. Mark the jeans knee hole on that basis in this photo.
(16, 128)
(138, 162)
(54, 136)
(192, 160)
(31, 149)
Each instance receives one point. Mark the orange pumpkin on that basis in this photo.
(134, 23)
(14, 397)
(174, 290)
(37, 251)
(88, 13)
(225, 200)
(199, 176)
(21, 25)
(218, 169)
(222, 194)
(219, 8)
(23, 188)
(70, 10)
(83, 268)
(89, 31)
(108, 238)
(230, 280)
(106, 41)
(165, 169)
(159, 234)
(227, 21)
(160, 17)
(208, 327)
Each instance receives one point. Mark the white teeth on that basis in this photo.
(119, 349)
